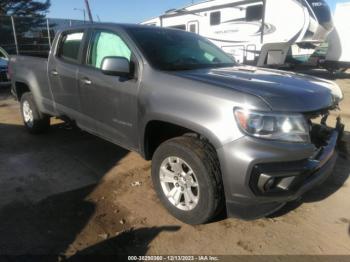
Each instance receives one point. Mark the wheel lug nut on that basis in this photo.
(177, 185)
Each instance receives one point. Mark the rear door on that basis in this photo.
(109, 103)
(63, 71)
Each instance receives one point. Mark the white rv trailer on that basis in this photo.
(338, 54)
(257, 32)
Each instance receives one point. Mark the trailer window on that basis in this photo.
(70, 46)
(193, 28)
(254, 13)
(215, 18)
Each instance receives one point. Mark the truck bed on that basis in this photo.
(32, 71)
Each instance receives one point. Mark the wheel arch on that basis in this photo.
(157, 131)
(21, 88)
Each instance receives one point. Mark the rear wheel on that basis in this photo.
(186, 176)
(35, 121)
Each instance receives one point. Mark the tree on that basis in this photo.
(29, 16)
(28, 8)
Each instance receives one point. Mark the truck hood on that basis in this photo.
(281, 90)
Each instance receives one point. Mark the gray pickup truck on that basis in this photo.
(220, 135)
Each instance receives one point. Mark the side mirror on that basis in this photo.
(116, 66)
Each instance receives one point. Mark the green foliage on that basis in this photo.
(24, 7)
(30, 24)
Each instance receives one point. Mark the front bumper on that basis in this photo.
(249, 165)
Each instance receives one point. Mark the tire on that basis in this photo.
(188, 155)
(34, 121)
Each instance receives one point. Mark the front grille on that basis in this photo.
(3, 76)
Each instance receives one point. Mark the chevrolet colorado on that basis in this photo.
(220, 135)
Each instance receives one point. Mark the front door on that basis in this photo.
(109, 103)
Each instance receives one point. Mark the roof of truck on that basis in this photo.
(108, 25)
(114, 26)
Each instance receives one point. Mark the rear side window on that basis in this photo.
(106, 44)
(215, 18)
(70, 46)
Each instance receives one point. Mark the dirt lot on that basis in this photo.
(68, 192)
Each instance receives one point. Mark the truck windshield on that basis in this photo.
(167, 49)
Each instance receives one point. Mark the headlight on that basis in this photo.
(273, 126)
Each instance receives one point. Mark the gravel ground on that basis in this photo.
(68, 192)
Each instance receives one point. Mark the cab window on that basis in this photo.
(105, 44)
(70, 46)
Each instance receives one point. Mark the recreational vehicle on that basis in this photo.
(256, 32)
(338, 54)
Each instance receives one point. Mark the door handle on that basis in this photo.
(54, 73)
(87, 81)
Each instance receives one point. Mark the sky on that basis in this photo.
(131, 11)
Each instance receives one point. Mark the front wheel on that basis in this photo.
(186, 177)
(35, 121)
